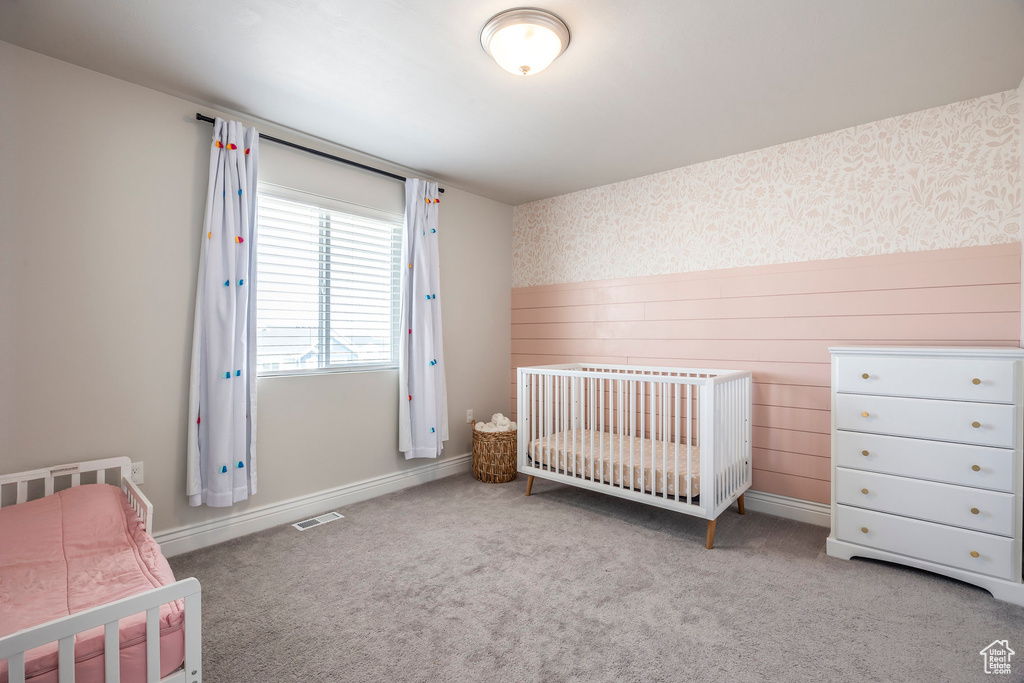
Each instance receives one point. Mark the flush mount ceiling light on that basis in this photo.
(524, 41)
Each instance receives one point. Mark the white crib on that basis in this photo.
(671, 437)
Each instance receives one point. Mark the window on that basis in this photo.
(327, 284)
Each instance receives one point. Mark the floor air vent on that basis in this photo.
(317, 521)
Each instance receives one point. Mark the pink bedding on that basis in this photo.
(77, 549)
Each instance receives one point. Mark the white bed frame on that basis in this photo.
(63, 631)
(680, 407)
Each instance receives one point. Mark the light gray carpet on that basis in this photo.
(462, 581)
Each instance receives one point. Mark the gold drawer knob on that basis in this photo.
(864, 414)
(976, 425)
(975, 381)
(864, 453)
(976, 468)
(975, 511)
(863, 529)
(865, 375)
(974, 553)
(864, 491)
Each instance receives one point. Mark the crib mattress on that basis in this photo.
(581, 448)
(77, 549)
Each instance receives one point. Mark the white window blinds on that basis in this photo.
(327, 285)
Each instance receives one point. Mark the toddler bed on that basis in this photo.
(648, 434)
(85, 594)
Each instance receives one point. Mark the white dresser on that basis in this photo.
(926, 461)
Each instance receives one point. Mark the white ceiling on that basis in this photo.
(645, 86)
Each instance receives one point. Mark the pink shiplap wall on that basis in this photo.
(777, 320)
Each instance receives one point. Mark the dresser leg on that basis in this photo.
(742, 507)
(711, 535)
(529, 484)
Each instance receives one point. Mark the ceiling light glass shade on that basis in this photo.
(524, 41)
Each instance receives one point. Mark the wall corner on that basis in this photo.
(1020, 177)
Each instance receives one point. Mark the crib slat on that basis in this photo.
(730, 425)
(552, 430)
(614, 427)
(153, 645)
(567, 420)
(663, 408)
(48, 486)
(552, 400)
(101, 476)
(618, 428)
(600, 430)
(111, 653)
(560, 424)
(556, 421)
(653, 435)
(529, 425)
(16, 668)
(675, 413)
(657, 415)
(737, 421)
(546, 431)
(732, 437)
(731, 408)
(540, 421)
(593, 429)
(721, 444)
(541, 415)
(564, 409)
(649, 434)
(570, 403)
(664, 444)
(697, 431)
(730, 420)
(689, 444)
(66, 660)
(572, 420)
(623, 407)
(22, 494)
(726, 409)
(634, 418)
(534, 414)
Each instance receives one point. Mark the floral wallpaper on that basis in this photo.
(940, 178)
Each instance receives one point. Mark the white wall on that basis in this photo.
(103, 185)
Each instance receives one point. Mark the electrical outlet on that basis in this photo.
(469, 416)
(137, 472)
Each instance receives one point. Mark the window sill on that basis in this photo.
(269, 374)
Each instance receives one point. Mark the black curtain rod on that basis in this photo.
(316, 152)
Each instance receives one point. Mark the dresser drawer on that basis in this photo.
(927, 541)
(959, 379)
(985, 424)
(952, 463)
(988, 511)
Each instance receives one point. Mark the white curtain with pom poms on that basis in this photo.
(423, 398)
(222, 389)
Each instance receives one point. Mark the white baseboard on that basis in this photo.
(790, 508)
(196, 536)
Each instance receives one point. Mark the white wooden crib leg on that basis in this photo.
(711, 535)
(529, 484)
(742, 507)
